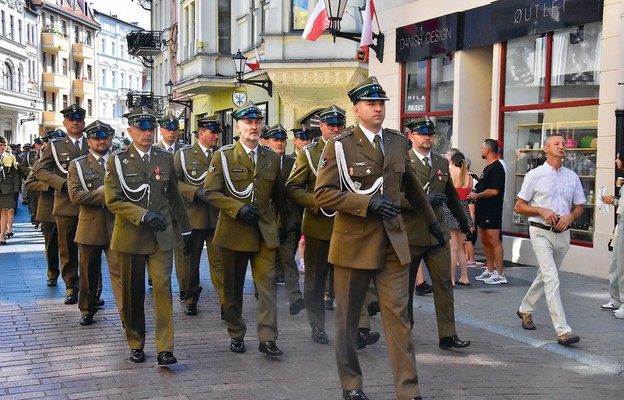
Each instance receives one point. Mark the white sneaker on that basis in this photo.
(496, 279)
(484, 275)
(609, 306)
(619, 313)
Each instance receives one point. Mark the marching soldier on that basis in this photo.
(433, 172)
(302, 137)
(191, 166)
(27, 164)
(169, 128)
(276, 137)
(53, 172)
(141, 190)
(244, 183)
(44, 215)
(85, 183)
(361, 175)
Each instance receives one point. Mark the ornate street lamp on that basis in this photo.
(188, 104)
(240, 62)
(335, 10)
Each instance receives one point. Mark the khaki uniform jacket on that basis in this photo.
(196, 164)
(85, 184)
(294, 212)
(27, 163)
(176, 146)
(54, 174)
(10, 181)
(439, 181)
(300, 189)
(357, 236)
(130, 233)
(267, 196)
(46, 200)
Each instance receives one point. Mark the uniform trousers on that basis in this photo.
(286, 261)
(549, 248)
(391, 282)
(159, 266)
(181, 262)
(316, 271)
(33, 202)
(263, 269)
(616, 265)
(68, 250)
(438, 260)
(91, 277)
(50, 238)
(199, 237)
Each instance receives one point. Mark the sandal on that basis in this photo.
(458, 282)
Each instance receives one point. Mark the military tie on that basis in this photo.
(377, 141)
(146, 159)
(252, 158)
(426, 163)
(101, 162)
(77, 143)
(171, 150)
(209, 154)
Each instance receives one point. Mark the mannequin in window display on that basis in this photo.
(519, 69)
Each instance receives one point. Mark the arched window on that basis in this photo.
(8, 76)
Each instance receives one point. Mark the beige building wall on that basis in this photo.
(476, 105)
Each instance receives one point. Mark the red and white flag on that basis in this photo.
(254, 66)
(367, 25)
(317, 23)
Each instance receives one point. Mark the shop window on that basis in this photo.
(551, 87)
(429, 91)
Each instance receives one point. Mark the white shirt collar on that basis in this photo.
(141, 153)
(105, 156)
(371, 135)
(203, 148)
(247, 149)
(421, 157)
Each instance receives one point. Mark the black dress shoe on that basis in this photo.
(237, 345)
(353, 395)
(297, 306)
(270, 349)
(449, 342)
(329, 305)
(51, 282)
(86, 319)
(191, 309)
(279, 279)
(319, 335)
(166, 358)
(182, 296)
(373, 309)
(100, 302)
(137, 356)
(71, 299)
(222, 313)
(423, 288)
(366, 338)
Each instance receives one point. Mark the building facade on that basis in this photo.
(518, 71)
(20, 101)
(68, 59)
(118, 72)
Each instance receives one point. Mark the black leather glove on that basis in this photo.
(436, 232)
(382, 205)
(465, 229)
(248, 214)
(199, 195)
(283, 234)
(187, 244)
(156, 221)
(437, 199)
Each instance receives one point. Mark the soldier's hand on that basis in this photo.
(437, 199)
(187, 244)
(382, 205)
(248, 214)
(199, 195)
(436, 232)
(156, 221)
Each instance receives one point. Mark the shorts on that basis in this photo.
(489, 218)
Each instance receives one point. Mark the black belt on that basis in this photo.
(546, 227)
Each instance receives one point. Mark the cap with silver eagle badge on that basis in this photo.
(142, 118)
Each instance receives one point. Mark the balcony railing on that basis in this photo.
(145, 99)
(81, 51)
(144, 43)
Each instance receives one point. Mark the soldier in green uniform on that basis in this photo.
(244, 183)
(53, 172)
(433, 172)
(45, 205)
(141, 190)
(85, 184)
(27, 164)
(363, 175)
(301, 138)
(191, 166)
(169, 127)
(286, 265)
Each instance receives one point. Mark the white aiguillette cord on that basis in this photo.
(145, 188)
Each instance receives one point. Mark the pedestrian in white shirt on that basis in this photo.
(552, 196)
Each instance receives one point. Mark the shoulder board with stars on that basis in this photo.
(160, 149)
(394, 131)
(342, 135)
(119, 151)
(227, 147)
